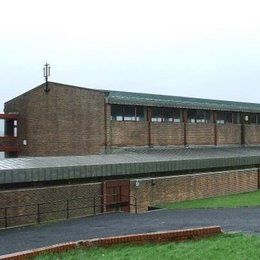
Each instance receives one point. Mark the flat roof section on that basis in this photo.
(128, 162)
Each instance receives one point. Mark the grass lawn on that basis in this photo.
(227, 246)
(247, 199)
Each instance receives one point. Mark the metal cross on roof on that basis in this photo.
(46, 74)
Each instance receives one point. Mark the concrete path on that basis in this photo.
(246, 220)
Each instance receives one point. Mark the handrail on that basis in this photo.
(66, 208)
(63, 200)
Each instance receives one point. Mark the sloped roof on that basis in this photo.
(131, 98)
(144, 99)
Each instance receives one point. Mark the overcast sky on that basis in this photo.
(193, 48)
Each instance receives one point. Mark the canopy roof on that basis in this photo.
(134, 162)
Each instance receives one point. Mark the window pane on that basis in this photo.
(156, 114)
(252, 118)
(2, 123)
(200, 115)
(235, 118)
(192, 116)
(220, 117)
(129, 113)
(177, 115)
(228, 117)
(117, 112)
(167, 114)
(139, 113)
(258, 119)
(207, 116)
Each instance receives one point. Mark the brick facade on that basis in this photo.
(167, 134)
(71, 120)
(128, 133)
(194, 186)
(49, 199)
(147, 191)
(64, 121)
(200, 134)
(229, 134)
(252, 134)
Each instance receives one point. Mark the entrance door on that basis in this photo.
(116, 195)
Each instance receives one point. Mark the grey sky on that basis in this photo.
(190, 48)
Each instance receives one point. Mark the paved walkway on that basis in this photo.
(246, 220)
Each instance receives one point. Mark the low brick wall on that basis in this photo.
(34, 205)
(150, 191)
(30, 201)
(155, 237)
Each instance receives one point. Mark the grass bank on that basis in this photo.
(248, 199)
(226, 246)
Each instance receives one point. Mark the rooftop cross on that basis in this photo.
(46, 74)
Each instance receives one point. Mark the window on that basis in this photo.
(258, 119)
(177, 115)
(220, 117)
(252, 119)
(117, 112)
(199, 116)
(208, 117)
(236, 118)
(156, 114)
(139, 113)
(166, 114)
(227, 118)
(127, 113)
(192, 116)
(2, 127)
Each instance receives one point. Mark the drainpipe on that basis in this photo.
(149, 112)
(185, 120)
(216, 127)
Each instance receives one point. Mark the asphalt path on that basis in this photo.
(245, 220)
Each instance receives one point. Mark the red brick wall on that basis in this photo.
(229, 134)
(151, 237)
(120, 133)
(192, 186)
(65, 121)
(163, 189)
(200, 134)
(127, 133)
(252, 134)
(108, 125)
(54, 198)
(167, 134)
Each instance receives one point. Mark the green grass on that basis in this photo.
(228, 246)
(248, 199)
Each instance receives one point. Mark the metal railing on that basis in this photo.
(37, 213)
